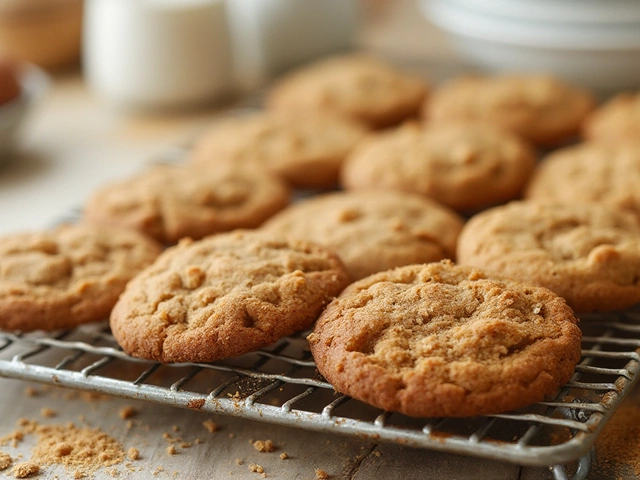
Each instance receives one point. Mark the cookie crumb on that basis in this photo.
(127, 412)
(171, 450)
(239, 461)
(133, 453)
(80, 474)
(175, 428)
(210, 425)
(25, 469)
(377, 453)
(264, 446)
(5, 461)
(198, 441)
(232, 435)
(321, 474)
(256, 468)
(47, 413)
(284, 456)
(159, 469)
(185, 445)
(31, 392)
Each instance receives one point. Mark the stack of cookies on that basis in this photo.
(411, 178)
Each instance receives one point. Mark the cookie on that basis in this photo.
(440, 340)
(618, 120)
(170, 202)
(372, 231)
(601, 173)
(359, 87)
(223, 296)
(305, 150)
(541, 109)
(68, 276)
(466, 166)
(586, 253)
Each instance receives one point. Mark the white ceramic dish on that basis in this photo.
(33, 82)
(615, 12)
(605, 59)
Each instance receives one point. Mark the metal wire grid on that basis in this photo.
(279, 384)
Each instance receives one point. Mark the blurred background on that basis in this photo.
(94, 85)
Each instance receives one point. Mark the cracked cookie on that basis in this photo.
(590, 172)
(441, 340)
(542, 109)
(465, 166)
(372, 231)
(304, 150)
(68, 276)
(359, 87)
(170, 202)
(587, 253)
(225, 295)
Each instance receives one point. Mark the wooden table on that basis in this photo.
(73, 142)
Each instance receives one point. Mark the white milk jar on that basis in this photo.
(157, 54)
(271, 36)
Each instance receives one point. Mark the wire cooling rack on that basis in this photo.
(280, 384)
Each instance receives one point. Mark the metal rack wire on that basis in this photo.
(279, 384)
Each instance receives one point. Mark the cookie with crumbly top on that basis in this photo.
(225, 295)
(466, 166)
(618, 120)
(305, 150)
(441, 340)
(169, 202)
(371, 230)
(590, 172)
(539, 108)
(67, 276)
(587, 253)
(359, 87)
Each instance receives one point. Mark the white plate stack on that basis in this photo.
(594, 43)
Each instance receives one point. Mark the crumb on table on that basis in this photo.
(264, 446)
(25, 469)
(210, 425)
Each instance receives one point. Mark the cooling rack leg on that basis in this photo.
(584, 466)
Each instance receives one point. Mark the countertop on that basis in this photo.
(72, 143)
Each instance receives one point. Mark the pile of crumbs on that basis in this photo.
(81, 450)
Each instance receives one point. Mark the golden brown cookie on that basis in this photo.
(586, 253)
(465, 166)
(170, 202)
(68, 276)
(590, 172)
(224, 296)
(359, 87)
(618, 120)
(440, 340)
(372, 231)
(541, 109)
(305, 150)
